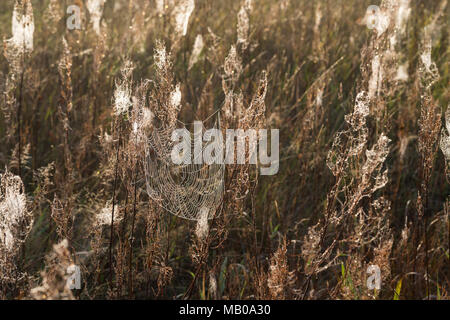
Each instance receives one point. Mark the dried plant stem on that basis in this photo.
(425, 226)
(116, 177)
(133, 219)
(326, 219)
(255, 239)
(125, 217)
(426, 253)
(94, 109)
(206, 243)
(19, 118)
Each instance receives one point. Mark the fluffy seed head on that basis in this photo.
(95, 8)
(182, 13)
(13, 210)
(202, 228)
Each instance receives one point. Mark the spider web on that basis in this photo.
(187, 191)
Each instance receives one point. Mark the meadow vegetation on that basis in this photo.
(364, 167)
